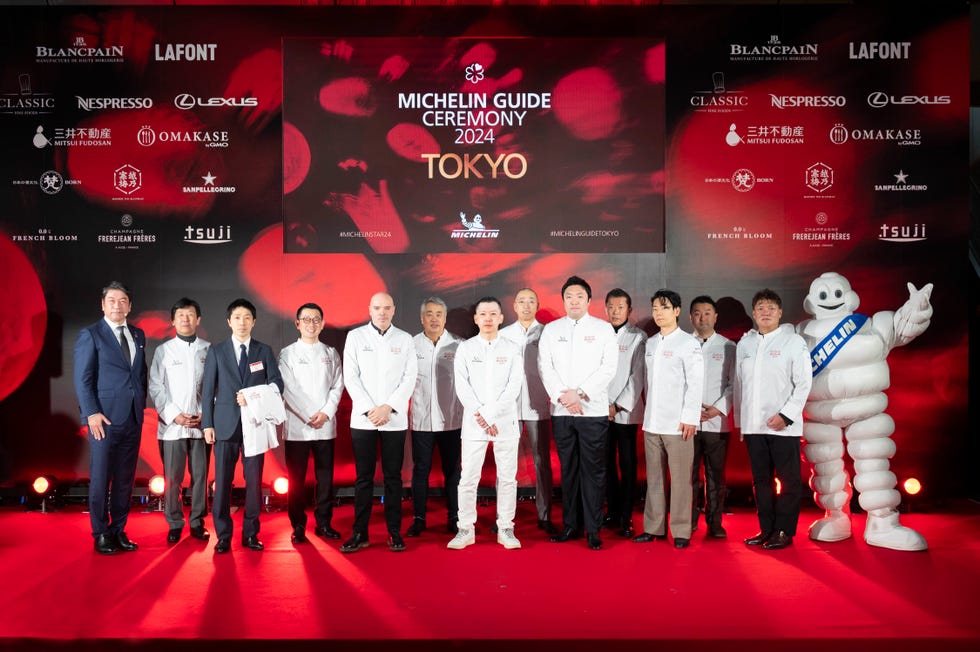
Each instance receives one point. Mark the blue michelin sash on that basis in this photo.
(828, 347)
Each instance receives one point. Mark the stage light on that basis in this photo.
(45, 488)
(779, 487)
(912, 486)
(41, 485)
(157, 485)
(280, 485)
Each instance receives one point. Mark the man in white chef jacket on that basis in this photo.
(313, 383)
(175, 389)
(578, 358)
(533, 412)
(488, 380)
(625, 414)
(674, 382)
(436, 414)
(379, 372)
(714, 431)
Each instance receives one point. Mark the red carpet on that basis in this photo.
(58, 594)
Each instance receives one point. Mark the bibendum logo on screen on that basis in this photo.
(474, 228)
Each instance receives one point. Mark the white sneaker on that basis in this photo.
(507, 539)
(464, 537)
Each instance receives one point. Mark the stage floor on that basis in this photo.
(58, 594)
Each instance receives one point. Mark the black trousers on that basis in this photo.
(195, 456)
(581, 445)
(771, 457)
(297, 459)
(450, 446)
(365, 444)
(712, 449)
(621, 477)
(226, 454)
(112, 473)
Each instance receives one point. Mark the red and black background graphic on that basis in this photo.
(224, 152)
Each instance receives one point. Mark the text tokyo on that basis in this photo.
(451, 166)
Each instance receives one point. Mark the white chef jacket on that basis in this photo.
(175, 385)
(488, 381)
(313, 381)
(719, 381)
(533, 401)
(582, 355)
(772, 376)
(435, 407)
(379, 370)
(626, 387)
(262, 412)
(674, 382)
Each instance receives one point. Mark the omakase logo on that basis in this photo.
(473, 228)
(147, 137)
(26, 101)
(839, 134)
(80, 52)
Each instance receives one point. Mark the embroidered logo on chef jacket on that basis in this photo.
(502, 359)
(775, 354)
(589, 339)
(717, 356)
(396, 350)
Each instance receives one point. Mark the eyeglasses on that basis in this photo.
(311, 320)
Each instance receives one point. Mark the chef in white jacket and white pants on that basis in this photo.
(175, 389)
(379, 372)
(489, 374)
(313, 384)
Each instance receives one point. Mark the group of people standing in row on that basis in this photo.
(583, 382)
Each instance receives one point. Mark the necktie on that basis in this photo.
(124, 344)
(243, 363)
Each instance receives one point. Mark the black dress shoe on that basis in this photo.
(646, 537)
(326, 532)
(357, 542)
(396, 543)
(717, 532)
(416, 528)
(759, 539)
(298, 535)
(200, 533)
(223, 546)
(627, 530)
(253, 543)
(680, 542)
(609, 521)
(173, 536)
(124, 543)
(778, 541)
(568, 534)
(595, 543)
(548, 527)
(105, 544)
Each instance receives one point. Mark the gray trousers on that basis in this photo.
(195, 456)
(671, 452)
(537, 437)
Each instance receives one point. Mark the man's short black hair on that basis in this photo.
(767, 295)
(240, 303)
(670, 296)
(116, 285)
(305, 306)
(488, 299)
(620, 293)
(184, 302)
(577, 280)
(703, 298)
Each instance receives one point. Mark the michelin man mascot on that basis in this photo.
(848, 352)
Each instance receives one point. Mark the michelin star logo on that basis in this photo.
(474, 228)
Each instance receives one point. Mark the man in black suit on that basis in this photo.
(231, 366)
(110, 382)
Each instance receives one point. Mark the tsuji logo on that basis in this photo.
(187, 101)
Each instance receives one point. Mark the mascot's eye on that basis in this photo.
(823, 295)
(838, 294)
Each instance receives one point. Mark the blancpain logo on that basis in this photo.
(879, 99)
(473, 228)
(879, 50)
(80, 52)
(185, 52)
(774, 50)
(113, 103)
(187, 101)
(26, 101)
(208, 234)
(719, 99)
(901, 185)
(209, 186)
(807, 101)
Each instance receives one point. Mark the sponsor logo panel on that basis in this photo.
(26, 100)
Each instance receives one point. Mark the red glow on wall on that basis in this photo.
(587, 103)
(296, 158)
(21, 329)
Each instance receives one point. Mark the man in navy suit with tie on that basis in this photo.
(110, 381)
(231, 366)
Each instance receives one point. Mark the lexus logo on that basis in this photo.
(187, 101)
(879, 99)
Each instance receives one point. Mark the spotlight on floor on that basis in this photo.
(155, 487)
(274, 496)
(280, 485)
(44, 490)
(912, 486)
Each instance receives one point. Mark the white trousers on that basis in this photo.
(505, 459)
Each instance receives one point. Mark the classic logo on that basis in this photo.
(719, 99)
(26, 101)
